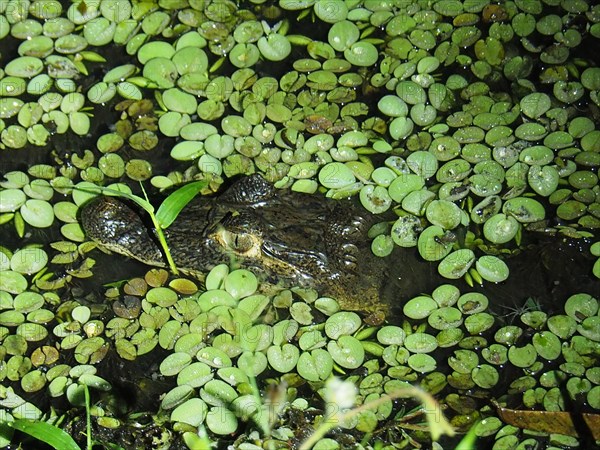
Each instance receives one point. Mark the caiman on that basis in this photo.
(285, 237)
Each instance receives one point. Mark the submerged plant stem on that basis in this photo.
(438, 424)
(88, 418)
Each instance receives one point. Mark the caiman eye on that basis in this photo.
(243, 242)
(239, 242)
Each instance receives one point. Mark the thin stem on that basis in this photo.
(259, 416)
(88, 417)
(163, 243)
(161, 236)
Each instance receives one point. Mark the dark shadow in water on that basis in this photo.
(549, 271)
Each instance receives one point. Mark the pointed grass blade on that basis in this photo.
(42, 431)
(175, 202)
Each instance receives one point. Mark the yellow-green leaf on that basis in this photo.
(174, 203)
